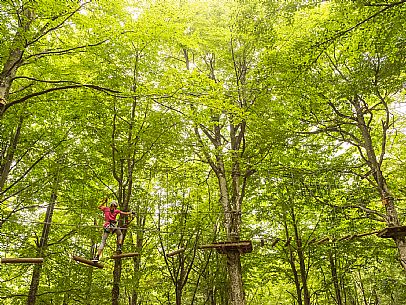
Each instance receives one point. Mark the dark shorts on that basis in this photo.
(110, 228)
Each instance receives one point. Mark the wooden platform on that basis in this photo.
(27, 260)
(392, 232)
(87, 262)
(244, 246)
(124, 255)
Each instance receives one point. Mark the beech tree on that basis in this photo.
(348, 92)
(276, 122)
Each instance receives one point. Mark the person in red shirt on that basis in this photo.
(110, 226)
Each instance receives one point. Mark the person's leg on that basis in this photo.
(102, 244)
(119, 240)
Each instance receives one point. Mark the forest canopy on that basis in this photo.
(255, 150)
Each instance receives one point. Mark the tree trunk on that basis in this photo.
(302, 263)
(295, 275)
(141, 218)
(115, 292)
(178, 292)
(230, 199)
(334, 277)
(8, 157)
(237, 296)
(89, 282)
(32, 294)
(232, 225)
(231, 196)
(123, 169)
(292, 264)
(15, 58)
(14, 61)
(392, 218)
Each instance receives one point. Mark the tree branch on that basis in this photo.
(65, 51)
(74, 86)
(43, 31)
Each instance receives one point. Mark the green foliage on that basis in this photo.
(289, 70)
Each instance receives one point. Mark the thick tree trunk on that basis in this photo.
(178, 292)
(334, 277)
(124, 177)
(231, 196)
(89, 282)
(392, 218)
(15, 58)
(137, 264)
(230, 199)
(141, 218)
(32, 294)
(115, 292)
(292, 263)
(296, 277)
(237, 296)
(401, 245)
(302, 263)
(8, 157)
(232, 225)
(9, 71)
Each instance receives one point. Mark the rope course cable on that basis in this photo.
(165, 211)
(95, 226)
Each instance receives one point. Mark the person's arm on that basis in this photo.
(102, 204)
(126, 213)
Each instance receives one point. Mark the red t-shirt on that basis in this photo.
(109, 216)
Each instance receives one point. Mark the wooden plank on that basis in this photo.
(123, 255)
(226, 243)
(224, 247)
(26, 260)
(173, 253)
(87, 261)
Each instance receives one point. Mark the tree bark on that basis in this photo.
(123, 170)
(15, 58)
(292, 263)
(231, 181)
(392, 218)
(334, 277)
(234, 271)
(232, 221)
(8, 157)
(115, 292)
(302, 263)
(141, 218)
(230, 199)
(43, 243)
